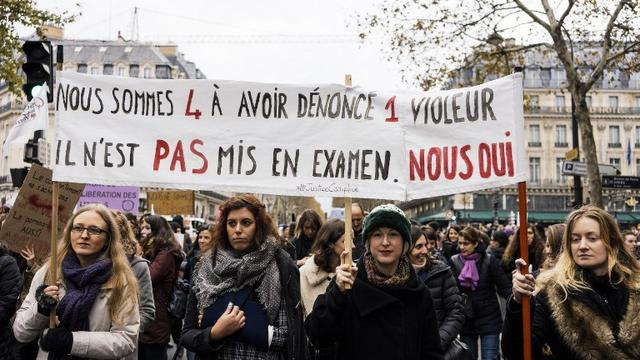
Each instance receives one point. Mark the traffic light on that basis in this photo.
(38, 67)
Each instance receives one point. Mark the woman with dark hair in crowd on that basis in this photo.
(387, 313)
(498, 244)
(245, 302)
(450, 245)
(204, 242)
(553, 245)
(437, 276)
(587, 305)
(94, 294)
(133, 223)
(536, 250)
(164, 253)
(306, 229)
(479, 275)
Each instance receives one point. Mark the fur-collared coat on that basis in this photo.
(572, 330)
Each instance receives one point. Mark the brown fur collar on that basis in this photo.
(588, 334)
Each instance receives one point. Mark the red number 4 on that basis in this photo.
(188, 111)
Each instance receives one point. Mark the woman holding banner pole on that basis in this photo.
(245, 302)
(587, 306)
(95, 294)
(388, 312)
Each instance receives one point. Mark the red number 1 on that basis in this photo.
(391, 104)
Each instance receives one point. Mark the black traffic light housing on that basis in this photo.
(38, 67)
(31, 149)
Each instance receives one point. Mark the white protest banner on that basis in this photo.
(35, 116)
(308, 140)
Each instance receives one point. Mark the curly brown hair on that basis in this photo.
(265, 229)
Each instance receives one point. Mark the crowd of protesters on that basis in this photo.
(127, 287)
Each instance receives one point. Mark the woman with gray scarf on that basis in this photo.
(245, 302)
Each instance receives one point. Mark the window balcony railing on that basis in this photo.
(562, 144)
(563, 84)
(535, 144)
(600, 110)
(615, 145)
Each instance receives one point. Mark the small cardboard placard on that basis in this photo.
(171, 202)
(29, 221)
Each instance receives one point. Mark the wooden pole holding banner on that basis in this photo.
(348, 240)
(54, 244)
(524, 254)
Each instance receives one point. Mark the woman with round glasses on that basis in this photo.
(94, 294)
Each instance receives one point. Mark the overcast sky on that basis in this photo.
(284, 41)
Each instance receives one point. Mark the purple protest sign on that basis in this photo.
(121, 198)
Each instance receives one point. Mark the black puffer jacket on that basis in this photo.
(446, 300)
(487, 316)
(10, 283)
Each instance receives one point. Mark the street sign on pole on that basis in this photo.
(571, 154)
(621, 182)
(580, 168)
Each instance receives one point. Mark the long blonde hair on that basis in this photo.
(122, 283)
(566, 274)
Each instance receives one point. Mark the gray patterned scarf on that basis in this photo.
(225, 273)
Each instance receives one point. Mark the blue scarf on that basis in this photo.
(83, 285)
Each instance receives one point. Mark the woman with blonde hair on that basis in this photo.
(95, 294)
(553, 245)
(587, 306)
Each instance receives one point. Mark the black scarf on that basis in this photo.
(608, 300)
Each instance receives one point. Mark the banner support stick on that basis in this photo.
(524, 254)
(348, 240)
(54, 241)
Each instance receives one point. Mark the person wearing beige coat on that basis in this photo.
(313, 282)
(105, 340)
(94, 294)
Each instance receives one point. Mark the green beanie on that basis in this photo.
(390, 216)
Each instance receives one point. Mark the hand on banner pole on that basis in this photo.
(523, 285)
(345, 274)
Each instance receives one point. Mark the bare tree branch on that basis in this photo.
(533, 16)
(566, 13)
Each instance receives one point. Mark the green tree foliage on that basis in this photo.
(14, 13)
(432, 39)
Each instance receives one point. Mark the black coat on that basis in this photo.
(196, 339)
(579, 331)
(487, 316)
(446, 299)
(369, 322)
(11, 284)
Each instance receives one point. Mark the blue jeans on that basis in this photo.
(489, 345)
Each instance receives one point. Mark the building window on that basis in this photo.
(587, 99)
(545, 76)
(134, 70)
(559, 177)
(94, 70)
(613, 102)
(637, 167)
(163, 72)
(107, 69)
(560, 102)
(561, 136)
(147, 72)
(534, 169)
(615, 162)
(82, 68)
(121, 70)
(614, 136)
(534, 101)
(534, 135)
(637, 136)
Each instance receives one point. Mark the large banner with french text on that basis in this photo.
(306, 140)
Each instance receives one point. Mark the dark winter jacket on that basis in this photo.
(574, 328)
(10, 285)
(446, 299)
(496, 252)
(303, 246)
(487, 316)
(196, 339)
(163, 270)
(449, 249)
(369, 322)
